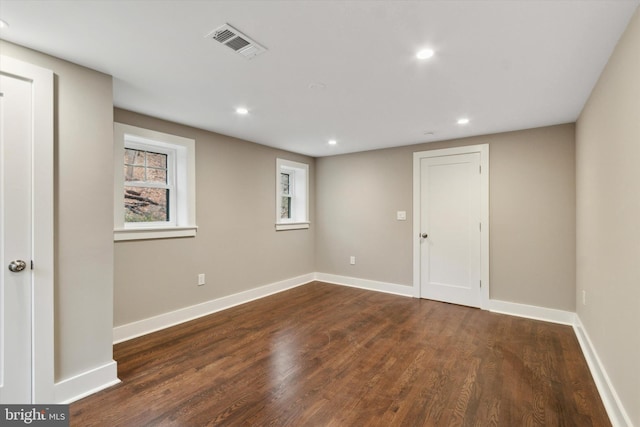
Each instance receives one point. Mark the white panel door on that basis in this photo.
(450, 217)
(15, 233)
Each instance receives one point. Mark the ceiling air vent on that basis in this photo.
(234, 39)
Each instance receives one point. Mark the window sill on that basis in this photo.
(153, 233)
(292, 226)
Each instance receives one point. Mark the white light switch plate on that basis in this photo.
(401, 215)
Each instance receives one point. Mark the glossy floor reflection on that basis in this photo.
(321, 355)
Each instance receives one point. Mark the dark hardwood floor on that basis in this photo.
(327, 355)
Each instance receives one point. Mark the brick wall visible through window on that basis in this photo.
(148, 187)
(154, 184)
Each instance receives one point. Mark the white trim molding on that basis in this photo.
(153, 233)
(93, 381)
(371, 285)
(298, 194)
(156, 323)
(86, 383)
(532, 312)
(183, 223)
(617, 414)
(292, 226)
(172, 318)
(166, 320)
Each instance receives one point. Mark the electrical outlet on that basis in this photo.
(201, 279)
(352, 260)
(584, 297)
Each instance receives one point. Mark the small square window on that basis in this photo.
(292, 195)
(155, 184)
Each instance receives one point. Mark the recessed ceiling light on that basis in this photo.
(3, 24)
(428, 133)
(242, 110)
(463, 121)
(332, 142)
(424, 54)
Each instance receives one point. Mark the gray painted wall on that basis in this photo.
(608, 203)
(532, 214)
(83, 126)
(236, 246)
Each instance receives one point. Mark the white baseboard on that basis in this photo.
(172, 318)
(86, 383)
(532, 312)
(372, 285)
(165, 320)
(105, 376)
(615, 409)
(617, 414)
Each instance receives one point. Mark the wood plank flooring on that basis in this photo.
(327, 355)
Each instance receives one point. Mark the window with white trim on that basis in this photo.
(292, 195)
(154, 184)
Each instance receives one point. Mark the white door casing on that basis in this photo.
(450, 192)
(27, 183)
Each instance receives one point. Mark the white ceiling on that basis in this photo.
(506, 65)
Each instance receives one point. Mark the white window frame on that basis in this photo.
(298, 191)
(181, 176)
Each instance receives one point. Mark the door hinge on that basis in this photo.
(480, 226)
(480, 283)
(480, 169)
(32, 264)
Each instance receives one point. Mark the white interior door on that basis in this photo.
(450, 228)
(26, 233)
(15, 246)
